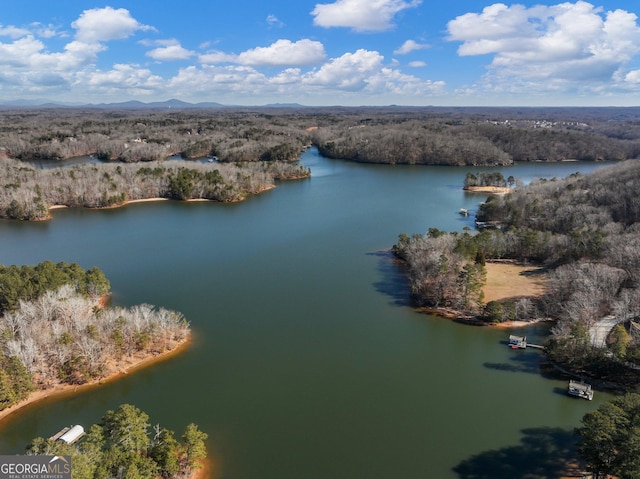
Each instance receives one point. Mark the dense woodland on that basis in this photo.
(584, 229)
(125, 445)
(435, 136)
(55, 329)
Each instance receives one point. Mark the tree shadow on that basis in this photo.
(394, 281)
(521, 362)
(542, 453)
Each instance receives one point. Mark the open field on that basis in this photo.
(508, 280)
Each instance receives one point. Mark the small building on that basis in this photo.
(69, 434)
(580, 389)
(517, 342)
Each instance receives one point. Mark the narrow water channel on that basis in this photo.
(308, 360)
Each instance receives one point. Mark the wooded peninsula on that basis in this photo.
(56, 330)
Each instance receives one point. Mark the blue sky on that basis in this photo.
(342, 52)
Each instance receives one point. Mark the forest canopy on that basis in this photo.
(425, 135)
(125, 444)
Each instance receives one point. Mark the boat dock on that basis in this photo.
(520, 342)
(580, 389)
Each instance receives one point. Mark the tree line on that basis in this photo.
(54, 334)
(125, 445)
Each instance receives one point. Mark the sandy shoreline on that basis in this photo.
(149, 200)
(495, 190)
(128, 365)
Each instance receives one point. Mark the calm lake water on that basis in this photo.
(308, 361)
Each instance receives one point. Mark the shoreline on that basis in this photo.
(494, 190)
(458, 317)
(155, 199)
(127, 366)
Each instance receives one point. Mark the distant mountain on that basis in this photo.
(284, 105)
(129, 105)
(21, 102)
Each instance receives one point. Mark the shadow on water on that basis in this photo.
(394, 283)
(542, 453)
(521, 362)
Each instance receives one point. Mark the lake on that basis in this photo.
(308, 359)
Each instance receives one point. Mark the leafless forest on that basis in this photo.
(450, 136)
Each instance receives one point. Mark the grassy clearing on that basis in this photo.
(508, 280)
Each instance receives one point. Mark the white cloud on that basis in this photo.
(633, 77)
(560, 46)
(417, 64)
(284, 53)
(361, 74)
(410, 46)
(280, 53)
(349, 71)
(122, 77)
(214, 57)
(46, 31)
(104, 24)
(273, 21)
(13, 32)
(20, 53)
(364, 72)
(169, 50)
(360, 15)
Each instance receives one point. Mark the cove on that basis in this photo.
(308, 359)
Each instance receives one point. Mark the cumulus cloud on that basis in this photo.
(567, 42)
(170, 50)
(295, 70)
(410, 46)
(13, 32)
(364, 71)
(105, 24)
(123, 77)
(284, 53)
(35, 68)
(214, 57)
(280, 53)
(360, 15)
(360, 74)
(349, 71)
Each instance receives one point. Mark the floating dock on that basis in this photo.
(580, 389)
(520, 342)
